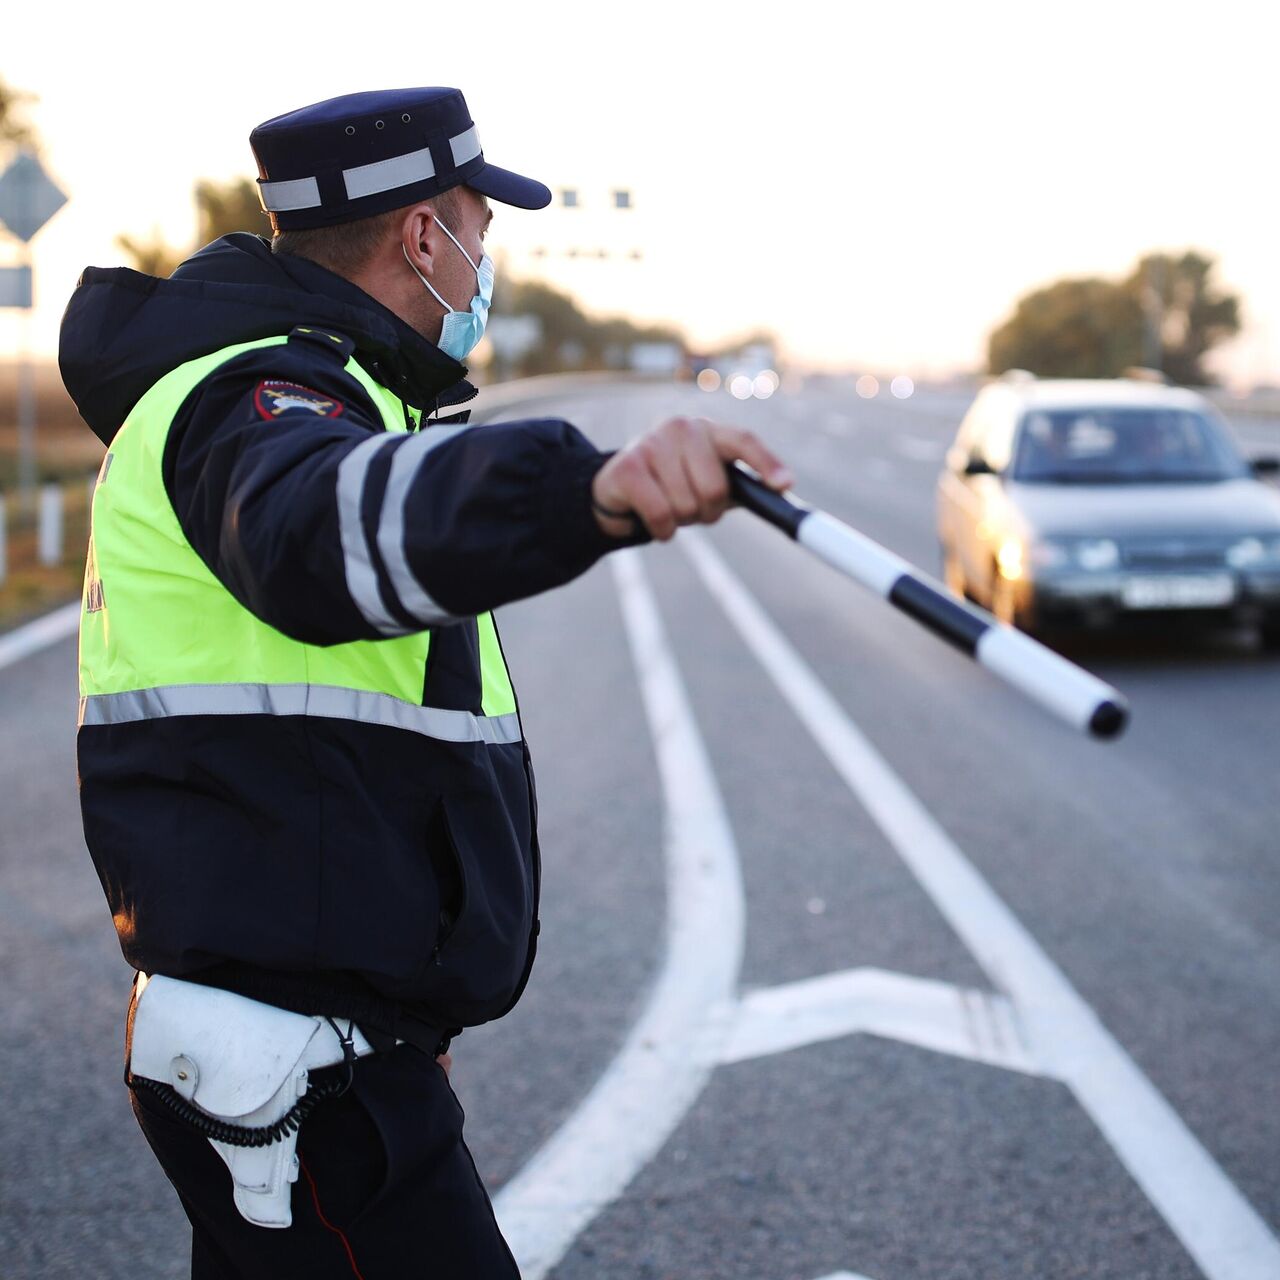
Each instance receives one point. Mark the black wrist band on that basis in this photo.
(612, 515)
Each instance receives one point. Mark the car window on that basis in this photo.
(1123, 444)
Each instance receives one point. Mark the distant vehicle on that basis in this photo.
(1095, 503)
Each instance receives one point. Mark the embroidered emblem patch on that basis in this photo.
(274, 398)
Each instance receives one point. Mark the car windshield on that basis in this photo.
(1123, 445)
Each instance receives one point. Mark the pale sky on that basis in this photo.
(876, 183)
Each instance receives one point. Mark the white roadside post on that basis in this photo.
(50, 537)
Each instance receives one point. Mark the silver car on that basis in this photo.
(1091, 503)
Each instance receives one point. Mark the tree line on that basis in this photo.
(1166, 314)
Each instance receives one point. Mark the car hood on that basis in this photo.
(1225, 508)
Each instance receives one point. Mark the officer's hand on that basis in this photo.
(446, 1061)
(674, 475)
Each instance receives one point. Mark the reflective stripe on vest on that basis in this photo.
(161, 636)
(296, 700)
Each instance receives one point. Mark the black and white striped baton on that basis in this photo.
(1065, 689)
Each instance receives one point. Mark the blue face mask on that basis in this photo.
(462, 329)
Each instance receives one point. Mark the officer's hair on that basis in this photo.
(347, 247)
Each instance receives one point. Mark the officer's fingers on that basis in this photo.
(647, 498)
(733, 444)
(664, 451)
(446, 1061)
(706, 473)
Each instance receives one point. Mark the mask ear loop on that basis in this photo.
(450, 310)
(474, 267)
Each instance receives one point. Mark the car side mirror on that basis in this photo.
(1265, 466)
(978, 466)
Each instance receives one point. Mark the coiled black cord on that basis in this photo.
(237, 1135)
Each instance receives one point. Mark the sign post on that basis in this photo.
(28, 199)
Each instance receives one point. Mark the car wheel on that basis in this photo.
(953, 574)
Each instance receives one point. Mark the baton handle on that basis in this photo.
(1067, 690)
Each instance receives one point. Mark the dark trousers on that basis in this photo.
(387, 1190)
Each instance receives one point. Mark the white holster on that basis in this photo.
(241, 1062)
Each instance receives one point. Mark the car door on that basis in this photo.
(989, 509)
(955, 515)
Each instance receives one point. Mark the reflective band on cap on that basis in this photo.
(368, 179)
(297, 193)
(386, 175)
(325, 701)
(466, 146)
(417, 602)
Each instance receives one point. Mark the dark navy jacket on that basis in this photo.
(229, 846)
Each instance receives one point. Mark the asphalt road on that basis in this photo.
(1144, 874)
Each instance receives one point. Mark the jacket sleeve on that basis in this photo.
(331, 529)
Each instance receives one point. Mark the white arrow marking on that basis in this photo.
(933, 1015)
(1216, 1224)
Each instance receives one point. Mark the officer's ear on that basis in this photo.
(416, 236)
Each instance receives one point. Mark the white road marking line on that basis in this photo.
(836, 424)
(918, 449)
(845, 1275)
(672, 1048)
(39, 634)
(1215, 1223)
(933, 1015)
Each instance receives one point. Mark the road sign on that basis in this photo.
(28, 196)
(15, 286)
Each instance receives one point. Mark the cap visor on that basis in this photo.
(510, 188)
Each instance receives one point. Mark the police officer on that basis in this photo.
(303, 778)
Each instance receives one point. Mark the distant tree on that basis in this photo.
(570, 337)
(1186, 314)
(154, 256)
(224, 207)
(1088, 328)
(14, 126)
(221, 207)
(1164, 314)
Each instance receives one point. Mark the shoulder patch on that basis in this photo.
(274, 398)
(336, 344)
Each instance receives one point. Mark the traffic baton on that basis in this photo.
(1070, 692)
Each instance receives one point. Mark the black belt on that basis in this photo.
(335, 995)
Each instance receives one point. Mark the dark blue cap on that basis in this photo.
(366, 153)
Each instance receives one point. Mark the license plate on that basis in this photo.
(1169, 591)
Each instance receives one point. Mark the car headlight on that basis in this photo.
(1254, 553)
(1010, 559)
(1091, 554)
